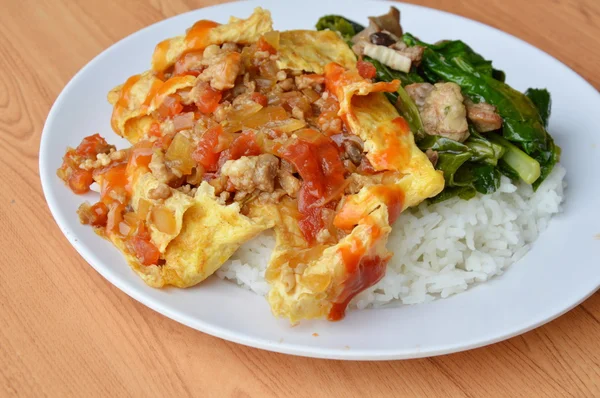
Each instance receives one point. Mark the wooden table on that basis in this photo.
(65, 331)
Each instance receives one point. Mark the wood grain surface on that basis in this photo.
(65, 331)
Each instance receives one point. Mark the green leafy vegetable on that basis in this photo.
(523, 125)
(449, 163)
(464, 193)
(524, 149)
(456, 161)
(401, 100)
(525, 166)
(508, 171)
(541, 99)
(483, 150)
(441, 144)
(453, 48)
(484, 178)
(337, 23)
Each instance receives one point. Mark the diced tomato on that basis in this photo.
(328, 121)
(92, 145)
(80, 181)
(170, 106)
(259, 99)
(311, 220)
(208, 98)
(164, 141)
(204, 153)
(366, 69)
(97, 215)
(263, 45)
(244, 145)
(144, 250)
(113, 182)
(114, 218)
(318, 163)
(155, 130)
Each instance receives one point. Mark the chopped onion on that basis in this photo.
(143, 208)
(264, 116)
(183, 121)
(180, 151)
(196, 177)
(311, 94)
(163, 219)
(286, 126)
(272, 38)
(388, 56)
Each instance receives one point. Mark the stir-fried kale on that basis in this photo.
(523, 149)
(524, 116)
(457, 48)
(465, 165)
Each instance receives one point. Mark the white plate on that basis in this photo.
(560, 271)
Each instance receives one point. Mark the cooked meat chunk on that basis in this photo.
(414, 53)
(286, 84)
(289, 183)
(159, 168)
(444, 113)
(222, 67)
(313, 81)
(252, 172)
(357, 181)
(162, 191)
(418, 92)
(389, 22)
(102, 159)
(353, 150)
(484, 116)
(287, 166)
(271, 197)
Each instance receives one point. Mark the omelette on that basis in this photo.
(236, 129)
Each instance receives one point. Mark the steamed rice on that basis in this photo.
(439, 249)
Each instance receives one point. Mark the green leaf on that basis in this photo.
(542, 101)
(451, 49)
(483, 150)
(337, 23)
(508, 171)
(439, 143)
(401, 100)
(449, 163)
(464, 193)
(487, 178)
(526, 167)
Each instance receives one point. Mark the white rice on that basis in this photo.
(439, 249)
